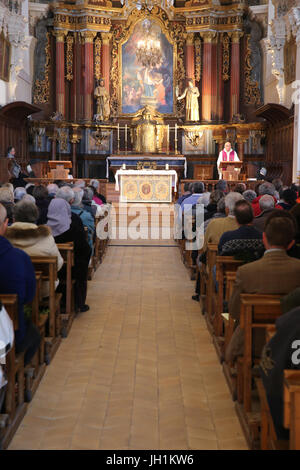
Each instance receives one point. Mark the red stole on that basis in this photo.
(231, 156)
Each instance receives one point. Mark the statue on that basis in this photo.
(191, 93)
(102, 96)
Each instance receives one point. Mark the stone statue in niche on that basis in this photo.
(253, 28)
(103, 102)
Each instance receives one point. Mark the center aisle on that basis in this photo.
(138, 371)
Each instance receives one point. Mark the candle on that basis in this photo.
(167, 166)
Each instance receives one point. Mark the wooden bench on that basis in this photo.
(291, 394)
(229, 371)
(257, 312)
(268, 437)
(35, 370)
(47, 265)
(211, 255)
(14, 407)
(67, 253)
(100, 243)
(223, 264)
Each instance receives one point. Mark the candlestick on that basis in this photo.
(126, 139)
(118, 135)
(168, 140)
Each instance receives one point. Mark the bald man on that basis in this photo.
(17, 276)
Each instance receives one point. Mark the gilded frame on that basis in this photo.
(174, 33)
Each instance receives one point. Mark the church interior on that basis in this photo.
(149, 225)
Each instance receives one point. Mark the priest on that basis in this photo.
(226, 155)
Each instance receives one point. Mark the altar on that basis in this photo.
(151, 186)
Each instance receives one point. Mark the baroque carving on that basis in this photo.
(69, 58)
(97, 58)
(198, 61)
(226, 57)
(41, 93)
(252, 91)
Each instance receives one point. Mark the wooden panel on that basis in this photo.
(203, 172)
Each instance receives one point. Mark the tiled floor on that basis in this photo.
(138, 371)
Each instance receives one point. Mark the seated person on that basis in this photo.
(212, 207)
(67, 227)
(197, 191)
(288, 199)
(86, 218)
(187, 191)
(34, 240)
(42, 199)
(98, 198)
(274, 273)
(266, 206)
(264, 188)
(249, 195)
(17, 276)
(87, 202)
(245, 242)
(7, 200)
(277, 356)
(217, 226)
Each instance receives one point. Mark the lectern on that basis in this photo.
(59, 169)
(231, 170)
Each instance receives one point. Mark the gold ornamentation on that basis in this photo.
(99, 137)
(208, 36)
(130, 190)
(63, 139)
(174, 31)
(226, 57)
(97, 58)
(88, 36)
(146, 166)
(198, 63)
(41, 93)
(193, 136)
(252, 91)
(69, 58)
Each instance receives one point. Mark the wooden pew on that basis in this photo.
(67, 252)
(229, 323)
(268, 437)
(223, 264)
(47, 265)
(14, 407)
(291, 393)
(211, 254)
(257, 311)
(35, 370)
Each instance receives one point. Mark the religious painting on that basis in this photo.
(290, 51)
(147, 69)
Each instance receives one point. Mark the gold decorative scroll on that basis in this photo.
(41, 93)
(198, 62)
(226, 57)
(175, 33)
(69, 58)
(252, 91)
(97, 58)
